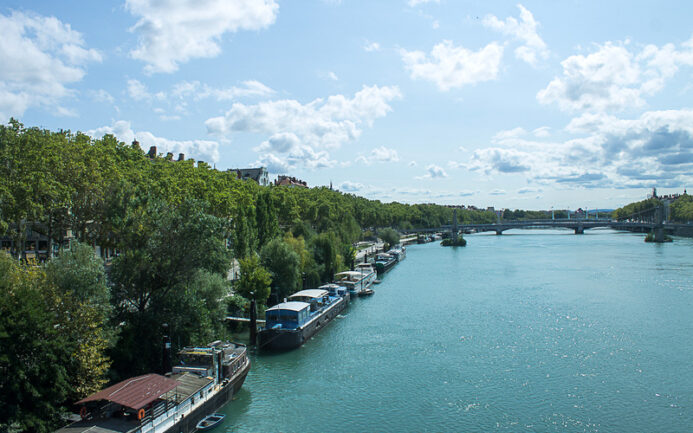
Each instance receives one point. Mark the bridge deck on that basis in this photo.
(568, 224)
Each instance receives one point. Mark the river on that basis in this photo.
(534, 330)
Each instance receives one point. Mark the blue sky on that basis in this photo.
(522, 105)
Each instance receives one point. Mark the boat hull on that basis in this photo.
(278, 340)
(188, 424)
(381, 267)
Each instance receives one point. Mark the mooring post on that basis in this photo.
(253, 320)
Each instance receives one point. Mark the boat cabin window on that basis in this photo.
(287, 318)
(198, 360)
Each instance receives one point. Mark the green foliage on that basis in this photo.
(284, 266)
(34, 351)
(266, 217)
(682, 209)
(254, 280)
(560, 214)
(237, 305)
(650, 237)
(389, 236)
(79, 272)
(449, 242)
(637, 210)
(80, 282)
(173, 273)
(519, 214)
(324, 247)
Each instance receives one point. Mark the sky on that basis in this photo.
(532, 105)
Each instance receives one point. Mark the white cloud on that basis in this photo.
(412, 164)
(137, 90)
(500, 160)
(383, 154)
(414, 3)
(40, 56)
(198, 91)
(614, 78)
(497, 192)
(349, 186)
(450, 67)
(533, 47)
(371, 46)
(433, 172)
(101, 96)
(542, 131)
(173, 32)
(508, 134)
(204, 150)
(529, 190)
(285, 151)
(379, 154)
(300, 133)
(606, 79)
(607, 152)
(332, 76)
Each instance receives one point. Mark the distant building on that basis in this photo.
(259, 175)
(291, 182)
(153, 155)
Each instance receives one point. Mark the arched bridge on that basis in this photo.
(578, 226)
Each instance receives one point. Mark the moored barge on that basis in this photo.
(206, 380)
(290, 324)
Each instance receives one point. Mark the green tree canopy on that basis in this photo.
(389, 236)
(254, 281)
(34, 351)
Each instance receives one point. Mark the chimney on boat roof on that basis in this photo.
(181, 157)
(152, 152)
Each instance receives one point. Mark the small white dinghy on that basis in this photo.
(210, 421)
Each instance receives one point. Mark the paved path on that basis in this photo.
(371, 250)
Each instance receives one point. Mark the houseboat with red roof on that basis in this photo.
(205, 380)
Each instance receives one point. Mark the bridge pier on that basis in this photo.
(499, 232)
(659, 227)
(579, 230)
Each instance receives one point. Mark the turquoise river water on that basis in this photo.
(536, 331)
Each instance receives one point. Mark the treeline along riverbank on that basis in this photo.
(75, 323)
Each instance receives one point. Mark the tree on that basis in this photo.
(34, 352)
(254, 281)
(154, 281)
(284, 266)
(84, 307)
(266, 217)
(244, 235)
(324, 247)
(389, 236)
